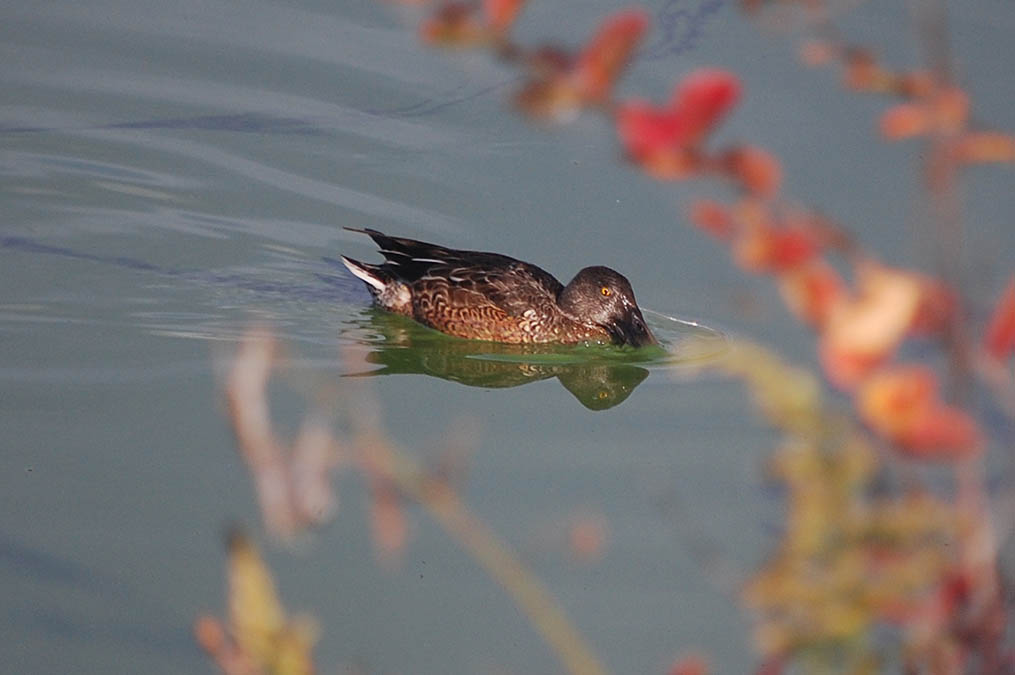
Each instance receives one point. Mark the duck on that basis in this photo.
(478, 295)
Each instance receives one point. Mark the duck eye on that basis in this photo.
(606, 292)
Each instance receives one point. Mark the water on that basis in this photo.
(173, 172)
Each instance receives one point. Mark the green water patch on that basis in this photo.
(600, 376)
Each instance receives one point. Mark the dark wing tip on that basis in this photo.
(373, 234)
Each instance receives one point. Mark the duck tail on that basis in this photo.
(374, 276)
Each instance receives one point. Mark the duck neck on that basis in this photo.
(567, 301)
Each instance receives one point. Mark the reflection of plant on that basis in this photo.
(868, 573)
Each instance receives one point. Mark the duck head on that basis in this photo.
(604, 297)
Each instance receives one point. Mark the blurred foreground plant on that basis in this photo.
(293, 480)
(854, 562)
(393, 478)
(859, 552)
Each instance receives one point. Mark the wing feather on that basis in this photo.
(505, 283)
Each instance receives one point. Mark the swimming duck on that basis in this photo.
(488, 296)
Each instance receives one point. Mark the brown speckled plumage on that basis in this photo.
(488, 296)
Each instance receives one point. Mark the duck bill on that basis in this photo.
(632, 330)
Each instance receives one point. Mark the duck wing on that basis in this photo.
(410, 259)
(514, 287)
(509, 284)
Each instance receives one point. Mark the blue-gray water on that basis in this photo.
(172, 171)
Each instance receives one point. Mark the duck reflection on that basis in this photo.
(401, 346)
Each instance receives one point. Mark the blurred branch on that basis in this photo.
(293, 482)
(438, 497)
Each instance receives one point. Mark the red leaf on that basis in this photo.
(936, 308)
(702, 99)
(1000, 338)
(561, 86)
(946, 433)
(699, 103)
(765, 247)
(644, 129)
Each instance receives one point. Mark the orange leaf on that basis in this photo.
(549, 99)
(915, 84)
(951, 109)
(1000, 338)
(673, 164)
(986, 146)
(810, 290)
(903, 405)
(904, 120)
(756, 170)
(713, 218)
(948, 110)
(588, 536)
(501, 14)
(862, 71)
(846, 369)
(693, 664)
(896, 400)
(456, 24)
(210, 634)
(815, 53)
(600, 63)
